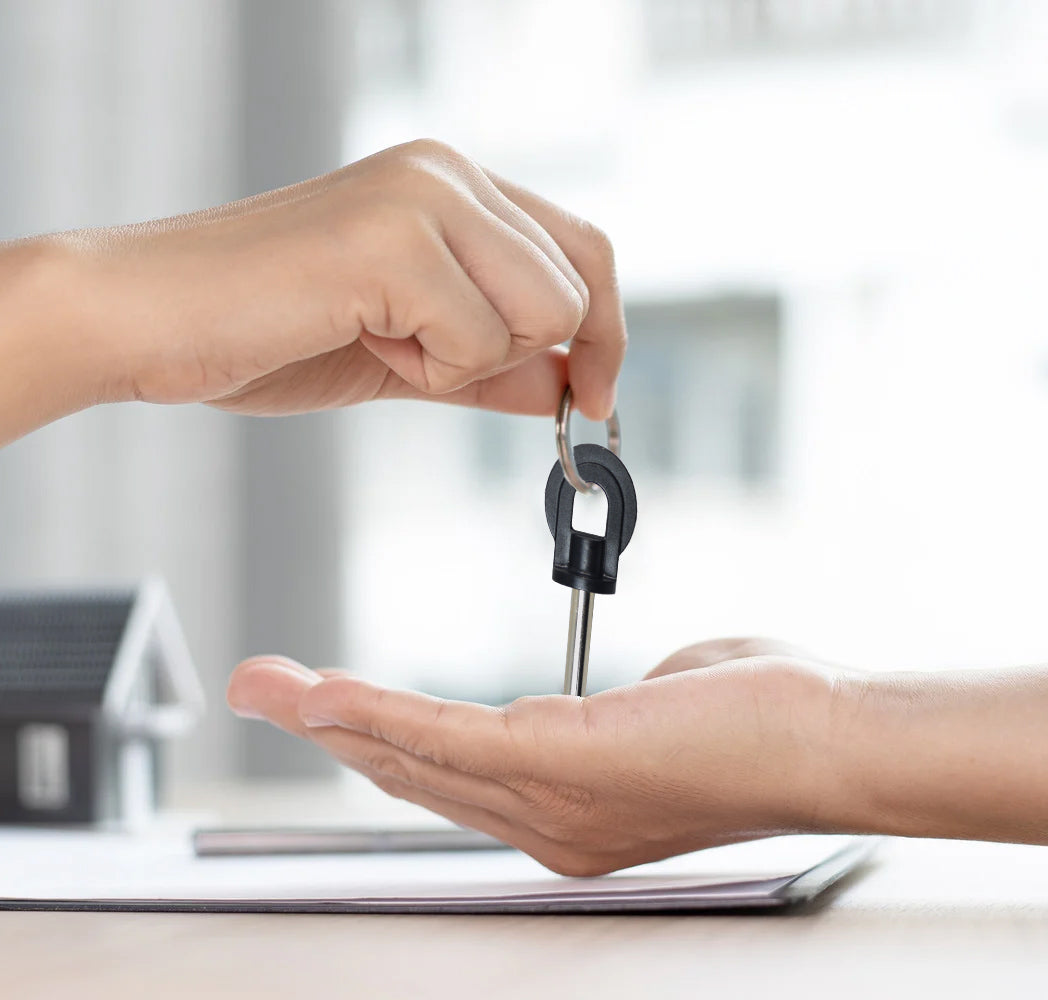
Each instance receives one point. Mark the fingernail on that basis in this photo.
(315, 721)
(245, 712)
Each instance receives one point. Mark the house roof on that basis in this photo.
(60, 646)
(117, 654)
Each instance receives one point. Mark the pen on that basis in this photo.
(226, 842)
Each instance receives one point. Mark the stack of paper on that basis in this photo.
(91, 870)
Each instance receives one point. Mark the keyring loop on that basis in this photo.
(566, 453)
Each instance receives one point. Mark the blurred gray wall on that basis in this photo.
(121, 110)
(295, 84)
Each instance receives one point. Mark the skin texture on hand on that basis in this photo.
(413, 273)
(722, 743)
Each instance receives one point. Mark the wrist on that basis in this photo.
(53, 358)
(795, 782)
(883, 770)
(951, 755)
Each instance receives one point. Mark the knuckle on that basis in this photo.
(429, 148)
(524, 704)
(521, 713)
(537, 719)
(412, 172)
(391, 767)
(598, 248)
(490, 351)
(561, 318)
(427, 164)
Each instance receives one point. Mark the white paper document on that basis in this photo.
(93, 870)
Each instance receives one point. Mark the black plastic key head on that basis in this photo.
(580, 560)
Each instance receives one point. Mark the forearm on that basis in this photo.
(53, 359)
(956, 755)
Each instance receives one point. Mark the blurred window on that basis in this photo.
(699, 397)
(678, 32)
(702, 388)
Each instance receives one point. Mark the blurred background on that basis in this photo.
(831, 221)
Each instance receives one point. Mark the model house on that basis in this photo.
(92, 682)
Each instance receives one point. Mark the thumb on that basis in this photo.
(714, 651)
(532, 388)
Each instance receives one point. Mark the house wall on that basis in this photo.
(51, 770)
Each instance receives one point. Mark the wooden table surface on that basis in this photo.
(925, 918)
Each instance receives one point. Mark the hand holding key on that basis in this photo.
(413, 273)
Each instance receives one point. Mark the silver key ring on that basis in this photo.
(567, 454)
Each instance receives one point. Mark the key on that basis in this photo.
(584, 562)
(576, 664)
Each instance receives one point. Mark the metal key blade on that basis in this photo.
(576, 664)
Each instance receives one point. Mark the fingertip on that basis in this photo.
(594, 373)
(595, 404)
(254, 679)
(239, 687)
(275, 660)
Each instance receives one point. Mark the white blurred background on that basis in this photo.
(831, 220)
